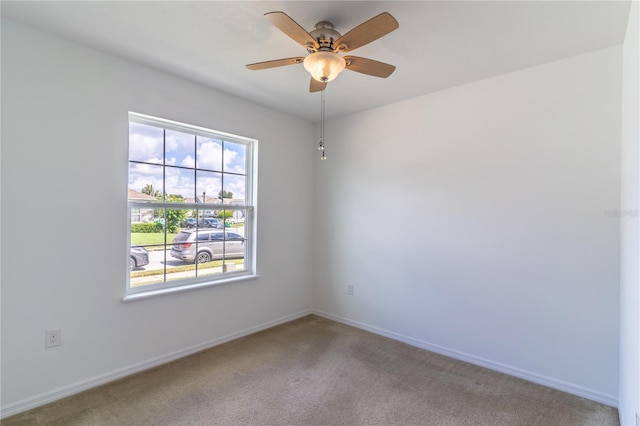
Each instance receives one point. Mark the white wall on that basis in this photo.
(474, 222)
(629, 403)
(64, 219)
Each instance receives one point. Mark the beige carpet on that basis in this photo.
(313, 371)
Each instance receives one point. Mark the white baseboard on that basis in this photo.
(472, 359)
(47, 397)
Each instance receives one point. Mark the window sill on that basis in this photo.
(179, 289)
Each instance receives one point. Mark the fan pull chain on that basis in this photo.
(321, 145)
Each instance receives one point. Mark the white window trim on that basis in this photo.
(177, 286)
(188, 287)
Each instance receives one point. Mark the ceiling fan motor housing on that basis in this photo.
(325, 34)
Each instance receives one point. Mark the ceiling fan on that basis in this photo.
(324, 43)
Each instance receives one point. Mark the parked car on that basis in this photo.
(139, 256)
(210, 222)
(206, 245)
(188, 223)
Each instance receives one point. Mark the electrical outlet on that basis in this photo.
(53, 338)
(350, 290)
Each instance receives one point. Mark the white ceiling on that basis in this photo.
(439, 44)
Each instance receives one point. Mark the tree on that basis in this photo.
(173, 217)
(225, 194)
(150, 190)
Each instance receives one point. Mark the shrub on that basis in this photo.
(146, 228)
(225, 214)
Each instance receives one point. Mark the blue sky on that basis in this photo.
(214, 158)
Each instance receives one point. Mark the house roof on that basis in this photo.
(139, 196)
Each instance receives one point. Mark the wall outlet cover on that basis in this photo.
(53, 338)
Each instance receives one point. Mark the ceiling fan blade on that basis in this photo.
(275, 63)
(287, 25)
(317, 86)
(367, 32)
(369, 66)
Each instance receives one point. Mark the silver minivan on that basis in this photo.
(204, 246)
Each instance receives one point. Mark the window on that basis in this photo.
(191, 207)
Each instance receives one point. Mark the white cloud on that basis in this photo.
(210, 155)
(145, 148)
(188, 161)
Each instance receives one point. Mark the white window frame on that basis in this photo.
(249, 272)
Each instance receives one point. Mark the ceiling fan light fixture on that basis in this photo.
(324, 66)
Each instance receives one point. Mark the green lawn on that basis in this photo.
(185, 267)
(143, 239)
